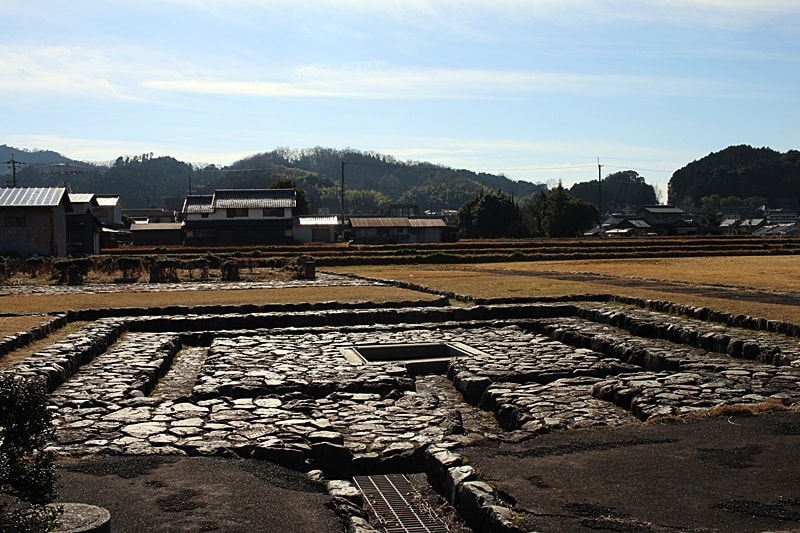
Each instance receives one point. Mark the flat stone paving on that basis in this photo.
(292, 397)
(287, 394)
(322, 279)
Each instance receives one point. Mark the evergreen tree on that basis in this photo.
(490, 215)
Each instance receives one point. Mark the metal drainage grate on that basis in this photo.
(398, 504)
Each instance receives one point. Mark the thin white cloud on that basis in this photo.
(137, 74)
(411, 83)
(76, 71)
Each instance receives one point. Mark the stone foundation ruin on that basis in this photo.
(280, 383)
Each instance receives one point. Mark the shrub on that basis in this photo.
(230, 270)
(130, 267)
(34, 265)
(72, 270)
(168, 268)
(198, 263)
(27, 471)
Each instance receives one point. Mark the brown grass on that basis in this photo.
(10, 325)
(20, 354)
(770, 273)
(46, 303)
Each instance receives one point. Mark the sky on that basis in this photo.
(536, 90)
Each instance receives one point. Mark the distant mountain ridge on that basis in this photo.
(371, 180)
(25, 158)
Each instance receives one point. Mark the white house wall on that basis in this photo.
(252, 214)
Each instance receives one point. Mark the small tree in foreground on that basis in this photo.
(27, 471)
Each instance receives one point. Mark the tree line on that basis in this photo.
(555, 213)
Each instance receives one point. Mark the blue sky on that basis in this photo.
(535, 90)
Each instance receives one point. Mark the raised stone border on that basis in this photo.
(14, 342)
(272, 386)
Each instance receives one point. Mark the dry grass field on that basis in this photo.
(763, 286)
(18, 309)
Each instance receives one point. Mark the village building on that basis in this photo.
(84, 233)
(316, 228)
(150, 215)
(109, 210)
(33, 221)
(156, 233)
(231, 217)
(397, 230)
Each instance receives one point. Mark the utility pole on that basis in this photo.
(341, 200)
(600, 190)
(14, 164)
(66, 172)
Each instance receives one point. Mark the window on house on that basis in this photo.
(272, 212)
(236, 213)
(14, 221)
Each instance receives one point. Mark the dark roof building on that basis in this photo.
(239, 216)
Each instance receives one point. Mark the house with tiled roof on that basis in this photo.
(232, 217)
(33, 221)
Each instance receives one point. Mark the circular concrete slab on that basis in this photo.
(83, 518)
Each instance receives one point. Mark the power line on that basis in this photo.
(14, 164)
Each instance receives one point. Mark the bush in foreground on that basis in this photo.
(27, 471)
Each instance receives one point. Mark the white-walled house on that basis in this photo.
(231, 217)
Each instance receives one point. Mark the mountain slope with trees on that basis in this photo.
(738, 171)
(370, 180)
(619, 190)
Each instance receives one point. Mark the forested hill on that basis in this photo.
(371, 180)
(738, 172)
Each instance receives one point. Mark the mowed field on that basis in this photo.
(762, 286)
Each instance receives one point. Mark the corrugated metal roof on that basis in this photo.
(254, 198)
(81, 197)
(380, 222)
(639, 223)
(327, 220)
(427, 223)
(198, 203)
(31, 196)
(396, 222)
(107, 201)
